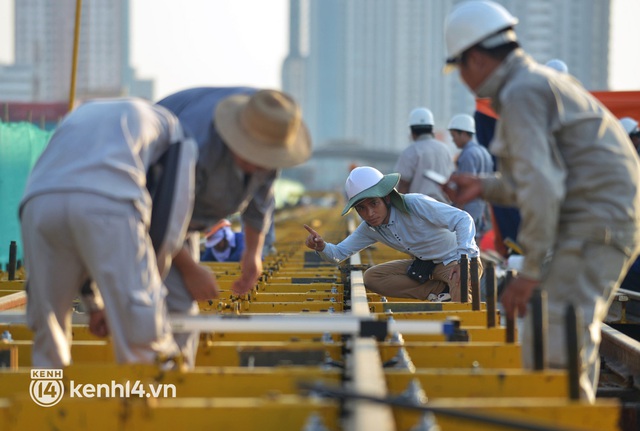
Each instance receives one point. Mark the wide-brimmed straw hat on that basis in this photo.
(367, 182)
(266, 129)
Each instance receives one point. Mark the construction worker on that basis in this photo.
(425, 153)
(244, 138)
(567, 164)
(631, 127)
(87, 220)
(473, 159)
(434, 234)
(223, 245)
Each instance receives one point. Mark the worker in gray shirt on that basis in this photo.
(244, 138)
(432, 233)
(96, 219)
(566, 162)
(425, 153)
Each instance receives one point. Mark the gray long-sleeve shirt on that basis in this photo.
(106, 147)
(430, 231)
(563, 158)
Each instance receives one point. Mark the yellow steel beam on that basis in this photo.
(550, 412)
(274, 413)
(476, 333)
(467, 318)
(458, 355)
(396, 306)
(269, 307)
(82, 351)
(296, 297)
(12, 285)
(481, 383)
(293, 288)
(200, 382)
(225, 354)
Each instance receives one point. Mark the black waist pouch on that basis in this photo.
(420, 270)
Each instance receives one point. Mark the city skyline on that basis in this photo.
(256, 43)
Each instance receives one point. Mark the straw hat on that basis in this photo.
(367, 182)
(265, 128)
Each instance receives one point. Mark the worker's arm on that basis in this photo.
(199, 281)
(251, 262)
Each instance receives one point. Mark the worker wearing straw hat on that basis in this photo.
(244, 136)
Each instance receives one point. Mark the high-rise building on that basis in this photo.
(44, 38)
(360, 66)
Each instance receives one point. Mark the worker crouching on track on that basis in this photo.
(434, 234)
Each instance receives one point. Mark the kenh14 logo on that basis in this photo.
(46, 388)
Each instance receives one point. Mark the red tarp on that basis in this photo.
(620, 103)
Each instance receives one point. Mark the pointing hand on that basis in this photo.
(314, 241)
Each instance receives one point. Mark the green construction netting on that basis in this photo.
(20, 147)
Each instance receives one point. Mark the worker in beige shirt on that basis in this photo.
(566, 163)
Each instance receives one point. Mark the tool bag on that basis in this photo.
(421, 270)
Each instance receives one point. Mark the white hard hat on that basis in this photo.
(630, 125)
(558, 65)
(367, 182)
(421, 117)
(472, 22)
(463, 122)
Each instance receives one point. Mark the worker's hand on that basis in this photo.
(462, 188)
(98, 323)
(251, 270)
(314, 241)
(201, 283)
(517, 294)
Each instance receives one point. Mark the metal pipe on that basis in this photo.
(13, 263)
(511, 325)
(511, 330)
(301, 324)
(539, 316)
(74, 64)
(274, 323)
(572, 324)
(464, 278)
(490, 285)
(475, 284)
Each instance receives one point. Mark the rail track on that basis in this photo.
(310, 349)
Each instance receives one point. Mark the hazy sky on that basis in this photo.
(184, 43)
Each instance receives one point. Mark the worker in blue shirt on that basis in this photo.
(473, 159)
(432, 233)
(224, 245)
